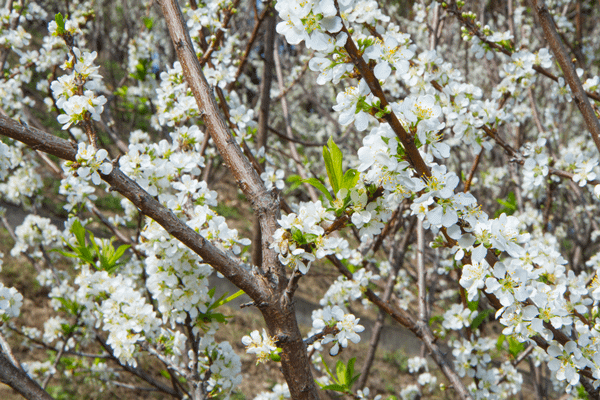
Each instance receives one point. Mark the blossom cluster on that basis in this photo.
(539, 267)
(74, 93)
(346, 328)
(263, 346)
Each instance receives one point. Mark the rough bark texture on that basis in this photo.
(19, 381)
(263, 116)
(272, 298)
(147, 204)
(579, 95)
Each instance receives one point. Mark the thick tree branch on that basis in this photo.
(276, 308)
(579, 95)
(232, 269)
(19, 381)
(265, 203)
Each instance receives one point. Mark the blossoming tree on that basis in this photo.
(442, 156)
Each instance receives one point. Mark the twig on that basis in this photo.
(579, 95)
(291, 139)
(472, 171)
(286, 118)
(136, 371)
(249, 45)
(220, 32)
(398, 261)
(422, 297)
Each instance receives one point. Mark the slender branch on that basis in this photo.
(249, 45)
(132, 387)
(579, 95)
(220, 32)
(472, 171)
(263, 119)
(297, 79)
(232, 269)
(414, 157)
(291, 139)
(421, 272)
(288, 128)
(420, 330)
(140, 373)
(398, 261)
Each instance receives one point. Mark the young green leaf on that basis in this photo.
(478, 320)
(316, 183)
(350, 178)
(333, 164)
(340, 370)
(60, 24)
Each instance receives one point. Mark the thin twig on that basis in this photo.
(287, 120)
(579, 95)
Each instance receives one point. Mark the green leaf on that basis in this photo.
(340, 370)
(119, 252)
(473, 305)
(333, 164)
(316, 183)
(350, 178)
(327, 370)
(68, 306)
(515, 347)
(478, 320)
(350, 371)
(434, 319)
(141, 70)
(64, 253)
(79, 231)
(60, 24)
(148, 22)
(222, 300)
(334, 387)
(122, 91)
(165, 374)
(509, 206)
(297, 235)
(351, 267)
(500, 341)
(232, 297)
(294, 182)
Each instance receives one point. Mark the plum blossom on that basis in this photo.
(273, 178)
(91, 161)
(389, 53)
(584, 169)
(346, 325)
(352, 103)
(565, 361)
(263, 346)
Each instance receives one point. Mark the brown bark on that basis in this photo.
(579, 95)
(271, 296)
(19, 381)
(263, 117)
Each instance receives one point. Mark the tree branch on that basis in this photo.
(232, 269)
(20, 381)
(579, 95)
